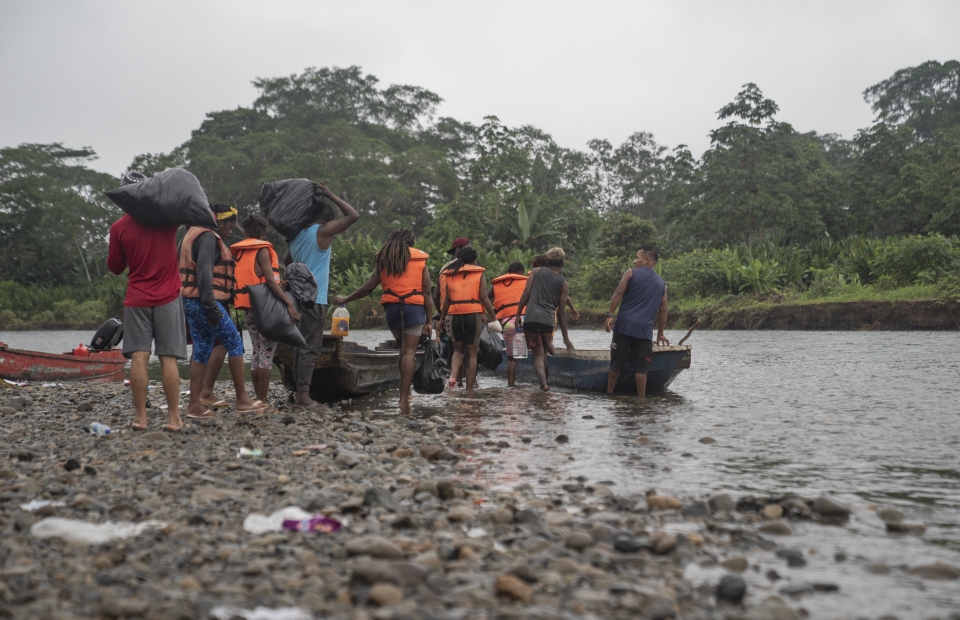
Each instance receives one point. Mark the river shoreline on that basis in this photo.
(421, 538)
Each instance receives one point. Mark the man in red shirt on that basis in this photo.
(152, 310)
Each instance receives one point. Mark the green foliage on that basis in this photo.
(53, 215)
(60, 307)
(622, 234)
(917, 260)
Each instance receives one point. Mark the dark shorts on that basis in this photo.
(466, 327)
(414, 318)
(160, 328)
(627, 349)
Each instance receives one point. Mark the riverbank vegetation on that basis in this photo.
(767, 214)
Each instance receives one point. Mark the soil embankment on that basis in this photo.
(928, 315)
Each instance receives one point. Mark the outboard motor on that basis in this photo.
(107, 337)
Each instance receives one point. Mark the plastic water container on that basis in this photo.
(519, 345)
(341, 321)
(99, 429)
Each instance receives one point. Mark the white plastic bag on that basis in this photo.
(75, 531)
(257, 523)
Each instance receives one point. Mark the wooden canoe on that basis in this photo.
(345, 369)
(585, 369)
(17, 364)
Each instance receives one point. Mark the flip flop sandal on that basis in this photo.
(258, 406)
(206, 415)
(170, 430)
(220, 404)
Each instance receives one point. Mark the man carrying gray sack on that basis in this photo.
(641, 296)
(311, 246)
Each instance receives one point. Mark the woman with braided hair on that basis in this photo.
(465, 301)
(401, 270)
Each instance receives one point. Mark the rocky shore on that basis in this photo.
(416, 542)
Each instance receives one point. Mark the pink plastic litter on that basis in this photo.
(319, 523)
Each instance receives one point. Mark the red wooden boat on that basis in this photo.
(16, 364)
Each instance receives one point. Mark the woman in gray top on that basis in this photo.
(546, 291)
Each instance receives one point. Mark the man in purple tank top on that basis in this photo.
(641, 297)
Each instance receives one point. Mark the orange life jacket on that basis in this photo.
(507, 291)
(406, 288)
(245, 274)
(464, 290)
(223, 282)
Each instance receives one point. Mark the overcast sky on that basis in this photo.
(128, 77)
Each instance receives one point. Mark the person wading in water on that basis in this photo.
(465, 301)
(402, 271)
(544, 294)
(312, 247)
(206, 282)
(257, 264)
(505, 293)
(152, 311)
(641, 296)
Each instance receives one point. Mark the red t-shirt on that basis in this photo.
(151, 255)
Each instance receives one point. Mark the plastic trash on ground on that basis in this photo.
(272, 317)
(250, 453)
(171, 198)
(37, 504)
(226, 612)
(291, 205)
(317, 523)
(257, 523)
(75, 531)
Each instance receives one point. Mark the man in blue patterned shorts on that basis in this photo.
(206, 278)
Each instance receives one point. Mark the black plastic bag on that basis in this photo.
(272, 318)
(169, 199)
(431, 376)
(291, 205)
(302, 284)
(490, 353)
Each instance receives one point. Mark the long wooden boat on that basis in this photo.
(585, 369)
(345, 369)
(17, 364)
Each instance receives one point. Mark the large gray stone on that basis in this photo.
(399, 573)
(722, 503)
(731, 589)
(374, 546)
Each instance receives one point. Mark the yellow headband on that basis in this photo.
(227, 214)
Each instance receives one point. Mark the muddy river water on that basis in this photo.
(872, 418)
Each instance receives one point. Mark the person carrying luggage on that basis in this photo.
(505, 293)
(465, 301)
(311, 246)
(401, 270)
(152, 312)
(256, 263)
(544, 294)
(206, 282)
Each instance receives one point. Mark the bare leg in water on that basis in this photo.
(641, 381)
(540, 366)
(408, 363)
(471, 365)
(456, 363)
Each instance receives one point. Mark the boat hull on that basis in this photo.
(16, 364)
(587, 370)
(345, 369)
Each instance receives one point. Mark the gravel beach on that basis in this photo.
(416, 541)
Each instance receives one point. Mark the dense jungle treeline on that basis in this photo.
(766, 212)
